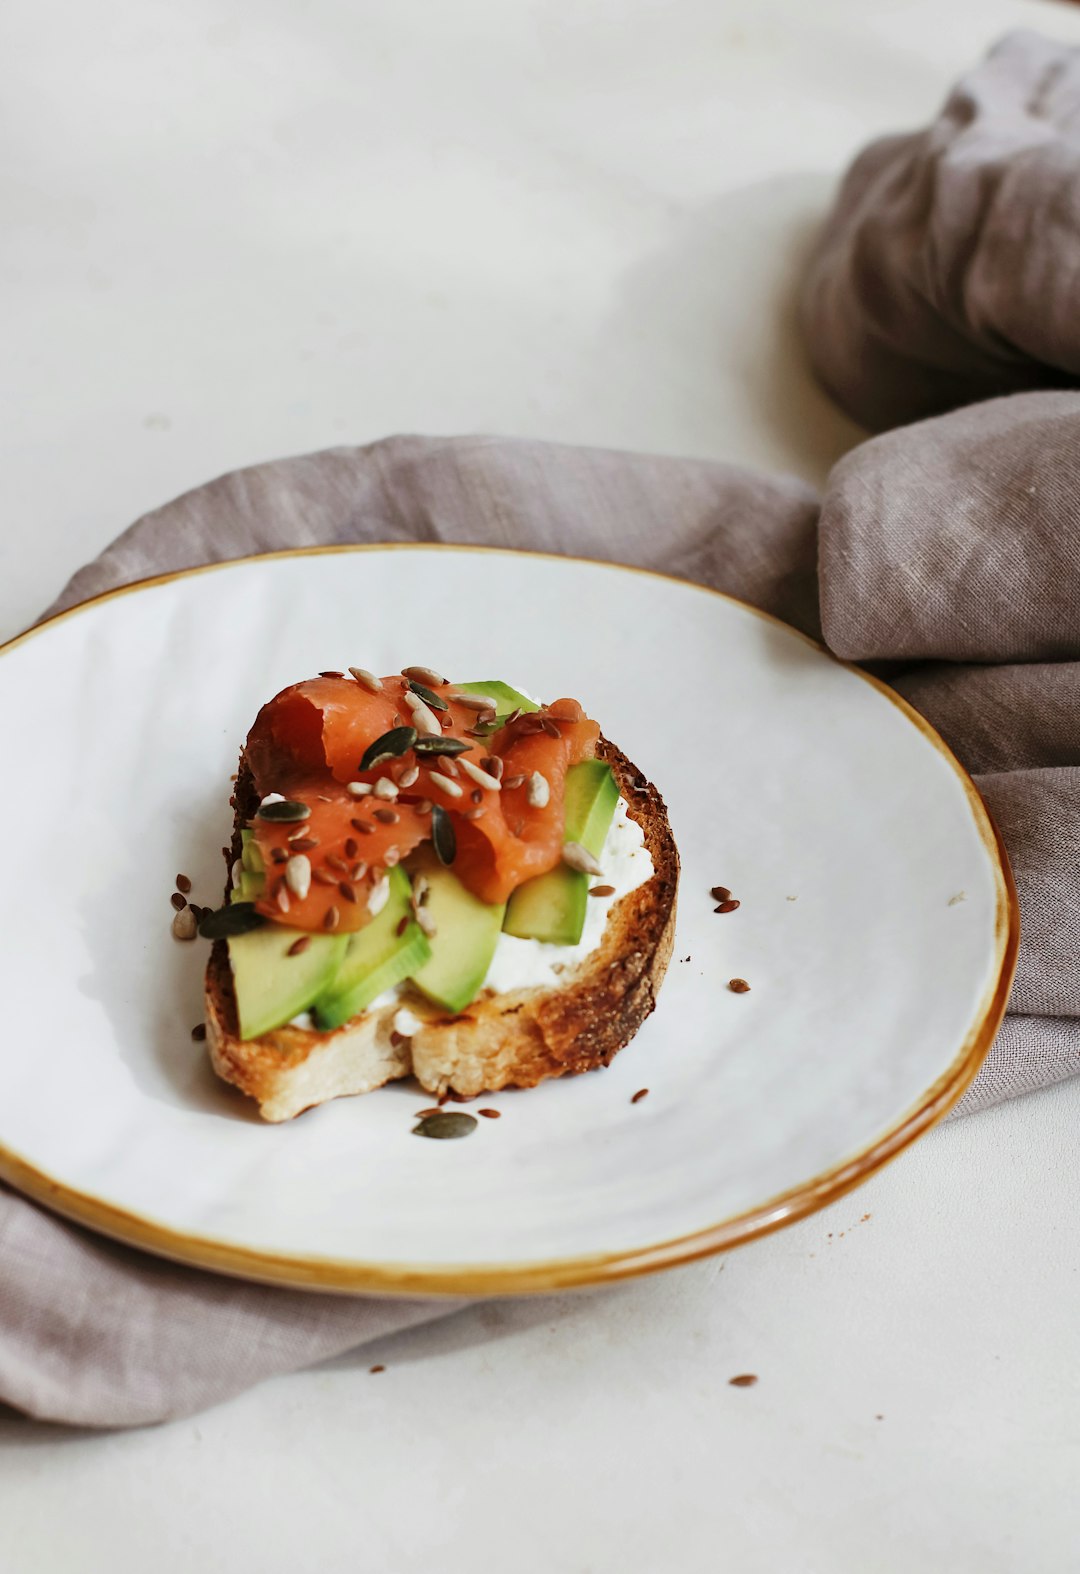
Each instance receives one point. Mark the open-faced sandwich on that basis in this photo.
(443, 880)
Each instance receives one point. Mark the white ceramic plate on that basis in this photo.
(877, 930)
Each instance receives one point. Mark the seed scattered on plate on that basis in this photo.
(739, 986)
(299, 945)
(719, 893)
(183, 925)
(444, 1124)
(639, 1095)
(490, 1114)
(727, 907)
(178, 901)
(183, 883)
(198, 1032)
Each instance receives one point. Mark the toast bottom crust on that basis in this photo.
(516, 1039)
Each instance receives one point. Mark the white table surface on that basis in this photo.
(230, 231)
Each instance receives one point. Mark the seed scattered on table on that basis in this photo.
(744, 1380)
(183, 883)
(446, 1124)
(490, 1114)
(739, 986)
(299, 945)
(727, 907)
(379, 1368)
(178, 901)
(719, 893)
(184, 925)
(639, 1095)
(198, 1032)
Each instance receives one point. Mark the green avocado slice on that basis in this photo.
(463, 944)
(376, 958)
(552, 906)
(272, 987)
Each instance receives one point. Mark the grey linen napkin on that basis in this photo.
(926, 536)
(946, 272)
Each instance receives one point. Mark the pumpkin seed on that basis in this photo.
(442, 746)
(442, 835)
(427, 696)
(399, 740)
(284, 811)
(237, 919)
(447, 1123)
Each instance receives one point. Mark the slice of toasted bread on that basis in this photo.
(515, 1039)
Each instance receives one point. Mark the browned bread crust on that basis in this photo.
(514, 1039)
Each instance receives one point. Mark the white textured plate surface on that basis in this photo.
(876, 929)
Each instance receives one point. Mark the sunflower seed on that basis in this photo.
(367, 680)
(441, 746)
(237, 919)
(450, 788)
(347, 890)
(409, 776)
(385, 788)
(538, 792)
(424, 719)
(423, 806)
(406, 1022)
(578, 857)
(442, 835)
(359, 789)
(481, 777)
(420, 889)
(399, 740)
(298, 875)
(387, 816)
(378, 896)
(426, 920)
(474, 701)
(331, 918)
(428, 697)
(284, 811)
(359, 870)
(510, 782)
(446, 1124)
(424, 675)
(391, 857)
(282, 898)
(184, 926)
(448, 765)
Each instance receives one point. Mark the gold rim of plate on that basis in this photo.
(532, 1278)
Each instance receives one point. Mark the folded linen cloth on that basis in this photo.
(946, 272)
(98, 1334)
